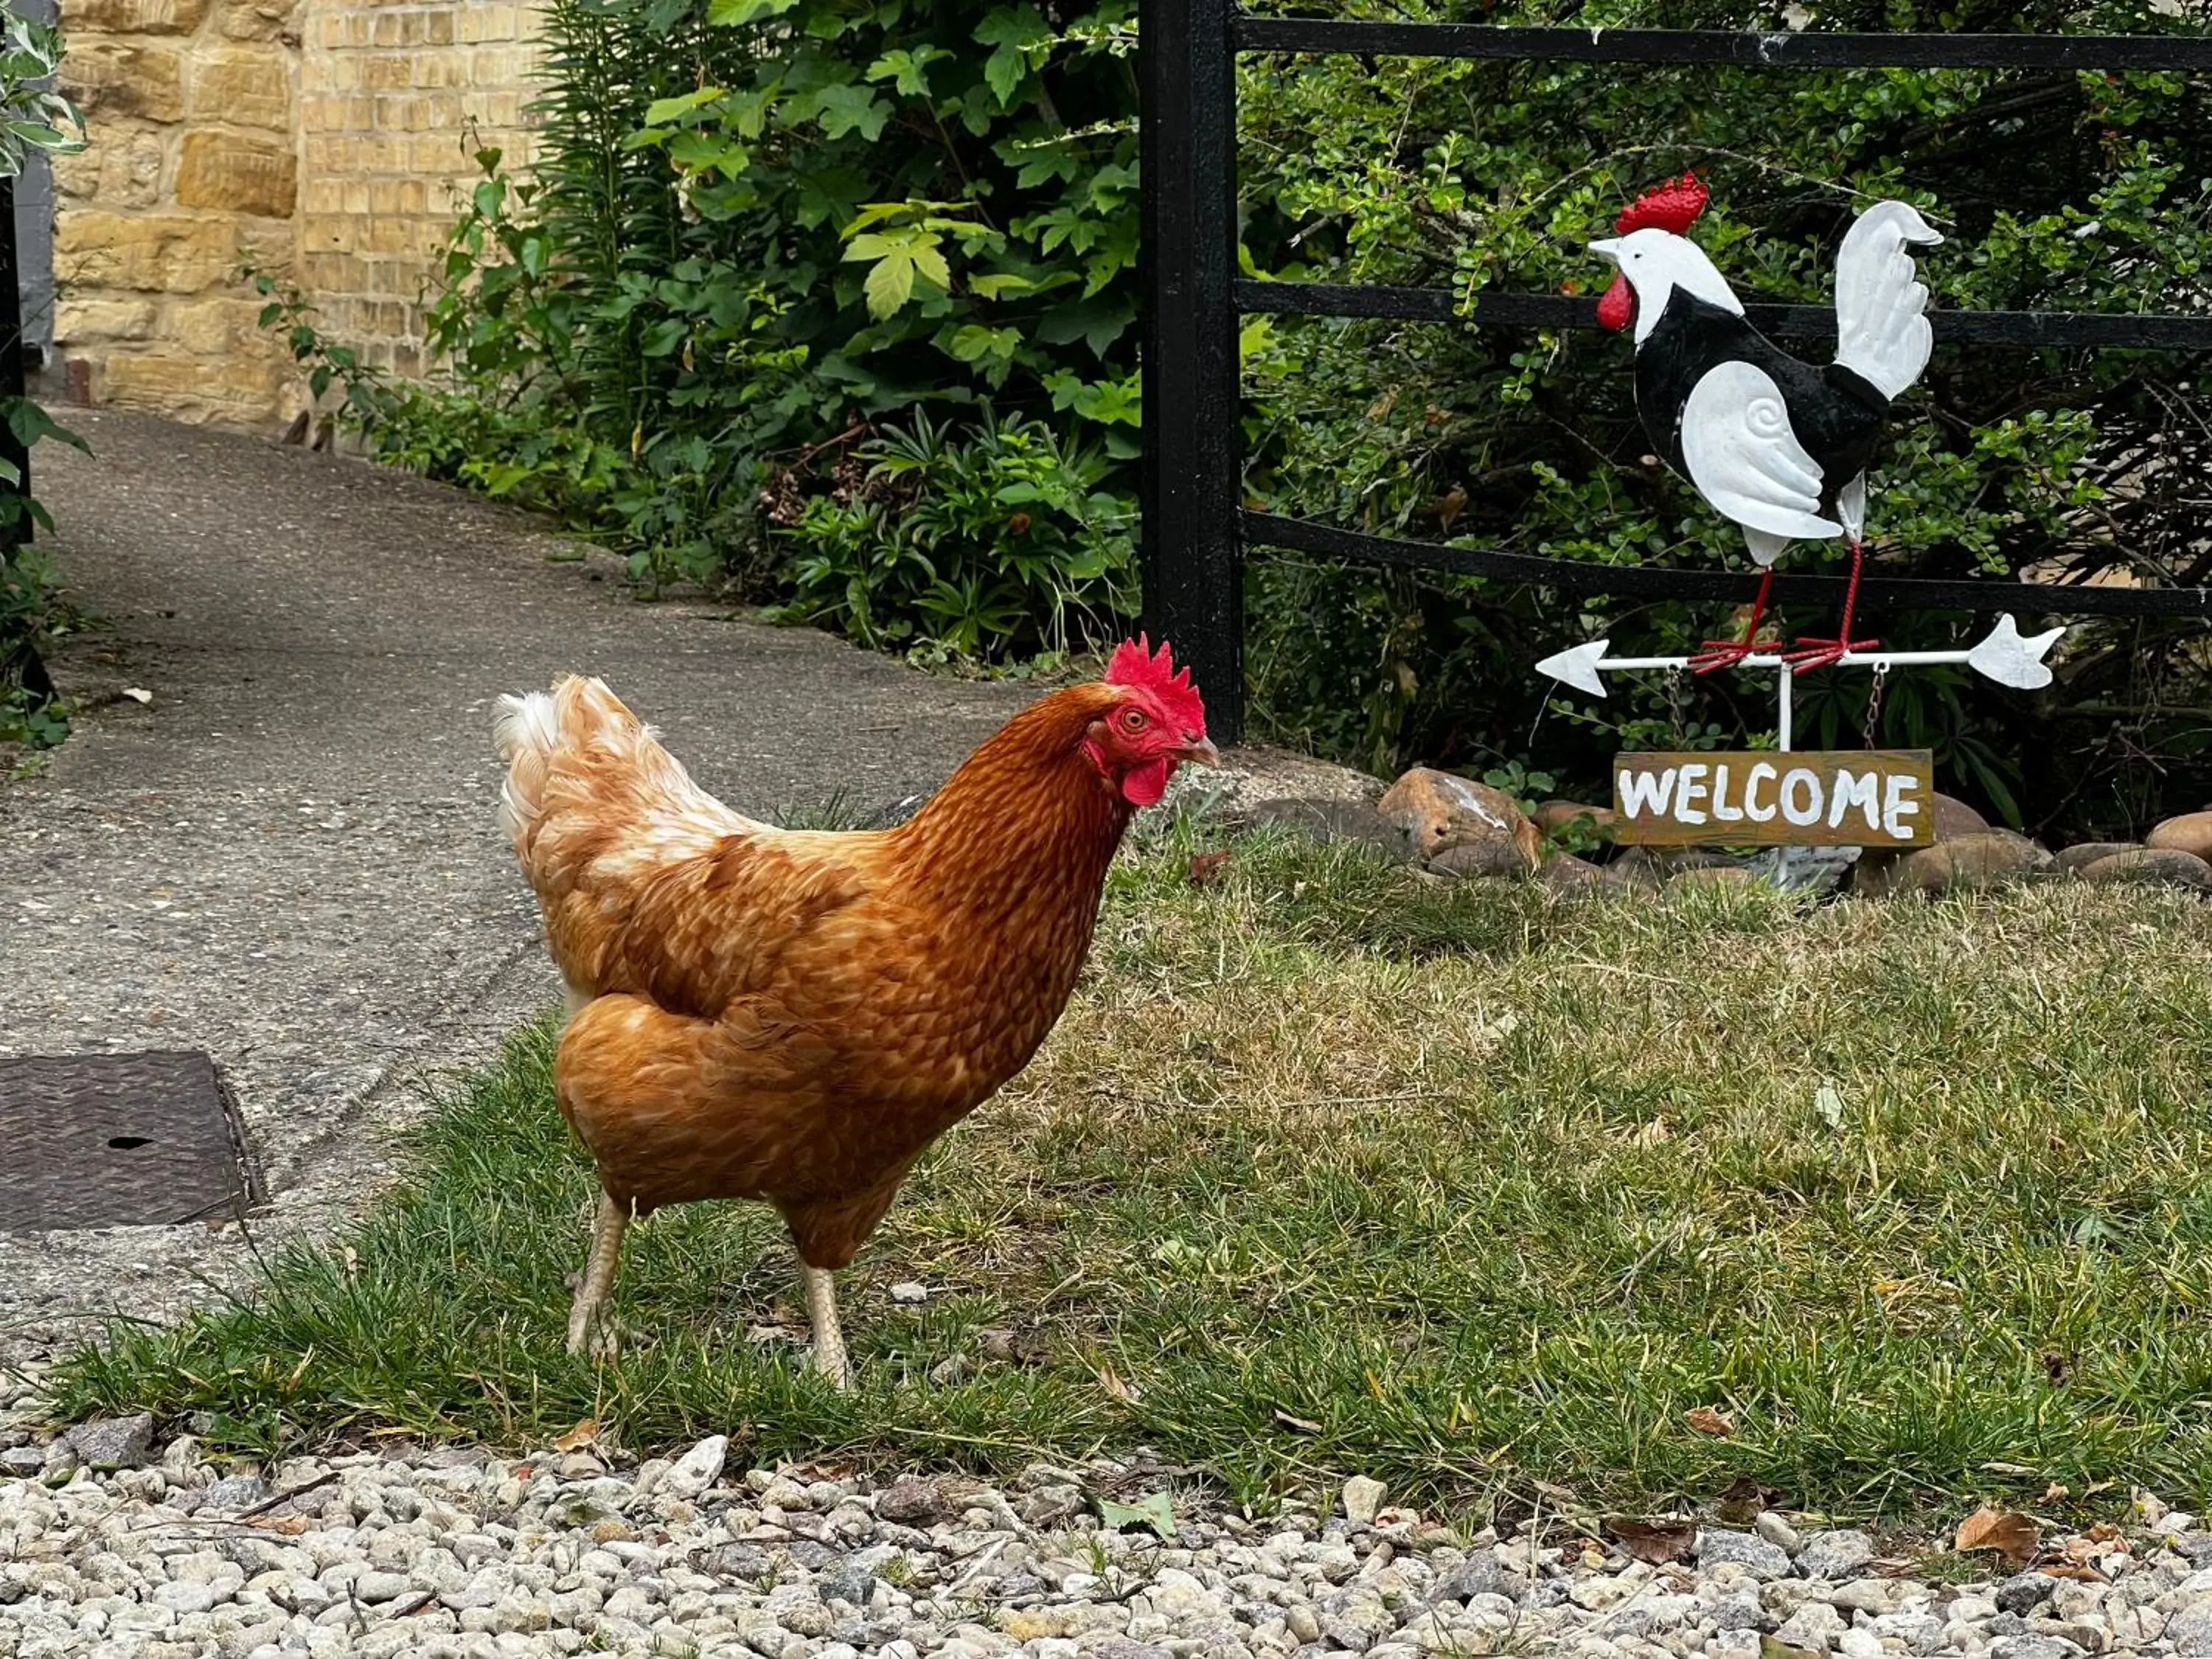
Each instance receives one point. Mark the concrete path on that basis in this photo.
(290, 858)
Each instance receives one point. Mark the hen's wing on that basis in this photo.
(1881, 328)
(1739, 450)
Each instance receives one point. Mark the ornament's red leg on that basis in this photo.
(1810, 652)
(1726, 654)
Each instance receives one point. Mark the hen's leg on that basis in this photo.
(822, 1312)
(1726, 654)
(1810, 653)
(589, 1327)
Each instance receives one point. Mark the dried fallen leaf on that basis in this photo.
(1656, 1541)
(2055, 1492)
(1303, 1426)
(584, 1434)
(2013, 1536)
(2074, 1571)
(1206, 868)
(1111, 1381)
(1744, 1500)
(290, 1525)
(1706, 1420)
(138, 694)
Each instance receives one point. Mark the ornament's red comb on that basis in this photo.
(1134, 663)
(1673, 206)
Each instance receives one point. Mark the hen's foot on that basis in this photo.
(591, 1322)
(1717, 654)
(592, 1339)
(1809, 653)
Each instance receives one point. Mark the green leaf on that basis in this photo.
(996, 285)
(1005, 71)
(737, 14)
(890, 284)
(662, 110)
(1155, 1511)
(907, 70)
(848, 109)
(929, 259)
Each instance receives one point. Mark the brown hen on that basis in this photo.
(794, 1016)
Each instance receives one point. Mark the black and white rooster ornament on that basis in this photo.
(1779, 446)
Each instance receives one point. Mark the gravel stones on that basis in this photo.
(911, 1503)
(1763, 1559)
(698, 1469)
(382, 1557)
(1363, 1499)
(113, 1443)
(2023, 1592)
(1835, 1555)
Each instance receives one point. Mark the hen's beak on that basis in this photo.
(1202, 752)
(1609, 249)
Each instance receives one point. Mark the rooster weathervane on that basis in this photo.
(1777, 446)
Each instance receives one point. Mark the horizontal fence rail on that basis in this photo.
(1985, 595)
(2110, 330)
(1194, 528)
(1729, 48)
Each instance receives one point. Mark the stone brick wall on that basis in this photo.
(394, 101)
(323, 139)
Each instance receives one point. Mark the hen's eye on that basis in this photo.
(1133, 720)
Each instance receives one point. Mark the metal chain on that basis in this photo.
(1673, 691)
(1873, 704)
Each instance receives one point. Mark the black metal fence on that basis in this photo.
(1195, 529)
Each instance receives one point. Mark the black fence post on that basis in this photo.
(12, 373)
(1191, 481)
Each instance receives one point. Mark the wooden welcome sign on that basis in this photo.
(1849, 798)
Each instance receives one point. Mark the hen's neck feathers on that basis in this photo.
(1025, 817)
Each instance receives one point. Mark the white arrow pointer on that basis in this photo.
(2004, 657)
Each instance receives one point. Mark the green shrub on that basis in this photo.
(33, 117)
(992, 541)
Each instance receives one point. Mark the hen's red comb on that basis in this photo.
(1134, 663)
(1673, 206)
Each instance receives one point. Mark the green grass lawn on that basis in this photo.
(1330, 1169)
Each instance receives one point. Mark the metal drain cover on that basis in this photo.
(119, 1140)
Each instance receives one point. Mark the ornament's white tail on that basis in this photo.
(1881, 331)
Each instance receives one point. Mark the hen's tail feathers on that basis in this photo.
(531, 732)
(576, 755)
(1882, 333)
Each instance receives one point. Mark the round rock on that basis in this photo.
(1967, 863)
(2162, 865)
(2189, 833)
(1438, 811)
(2071, 858)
